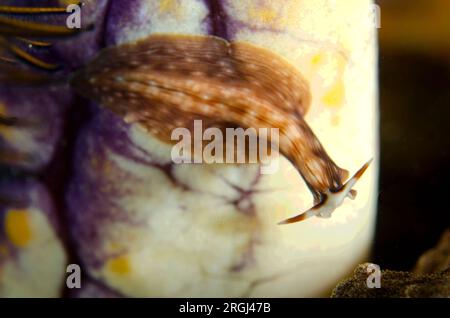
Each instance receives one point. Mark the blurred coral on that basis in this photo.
(421, 25)
(430, 278)
(437, 258)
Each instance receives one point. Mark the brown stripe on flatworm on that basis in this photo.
(165, 80)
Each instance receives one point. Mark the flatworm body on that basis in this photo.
(166, 81)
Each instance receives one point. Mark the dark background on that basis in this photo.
(414, 190)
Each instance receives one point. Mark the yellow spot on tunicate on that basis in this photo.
(335, 120)
(3, 251)
(108, 167)
(275, 14)
(329, 72)
(17, 227)
(335, 96)
(317, 59)
(170, 6)
(120, 265)
(115, 247)
(264, 15)
(237, 224)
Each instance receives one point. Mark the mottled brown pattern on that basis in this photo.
(167, 81)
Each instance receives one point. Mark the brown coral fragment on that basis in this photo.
(437, 258)
(430, 278)
(395, 284)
